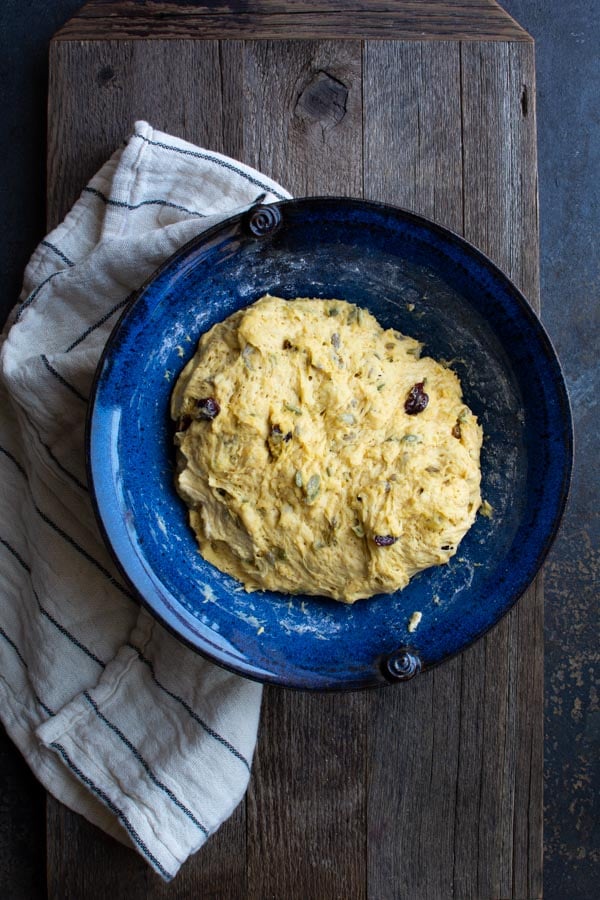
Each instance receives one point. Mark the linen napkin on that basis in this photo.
(115, 717)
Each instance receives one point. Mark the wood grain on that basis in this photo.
(83, 862)
(425, 790)
(500, 159)
(414, 732)
(117, 83)
(303, 114)
(466, 769)
(412, 131)
(306, 806)
(176, 86)
(500, 165)
(305, 19)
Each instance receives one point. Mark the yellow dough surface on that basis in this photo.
(303, 470)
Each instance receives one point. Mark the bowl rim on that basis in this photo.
(243, 669)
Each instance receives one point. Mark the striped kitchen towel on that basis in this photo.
(117, 719)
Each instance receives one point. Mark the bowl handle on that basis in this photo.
(263, 221)
(401, 665)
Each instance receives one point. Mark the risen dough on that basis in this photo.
(303, 471)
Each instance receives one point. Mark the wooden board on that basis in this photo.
(302, 19)
(429, 790)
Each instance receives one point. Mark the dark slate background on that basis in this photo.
(568, 68)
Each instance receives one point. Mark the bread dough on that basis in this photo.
(303, 470)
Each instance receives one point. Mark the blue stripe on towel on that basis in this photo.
(60, 378)
(47, 710)
(113, 808)
(45, 612)
(214, 159)
(110, 202)
(189, 709)
(58, 252)
(163, 787)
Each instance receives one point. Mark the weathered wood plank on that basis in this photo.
(97, 90)
(467, 771)
(174, 85)
(217, 872)
(412, 114)
(83, 862)
(413, 153)
(500, 159)
(501, 217)
(305, 19)
(303, 114)
(306, 805)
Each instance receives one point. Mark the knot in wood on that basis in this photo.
(324, 99)
(106, 75)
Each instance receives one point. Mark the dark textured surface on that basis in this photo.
(22, 827)
(568, 77)
(567, 71)
(25, 29)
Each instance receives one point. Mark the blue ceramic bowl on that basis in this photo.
(414, 276)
